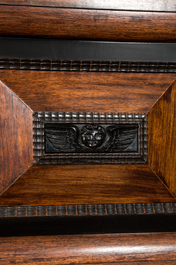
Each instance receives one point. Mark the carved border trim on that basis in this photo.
(87, 210)
(39, 118)
(87, 66)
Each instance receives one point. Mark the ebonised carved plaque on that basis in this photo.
(88, 138)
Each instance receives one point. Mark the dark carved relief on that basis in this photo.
(89, 138)
(78, 138)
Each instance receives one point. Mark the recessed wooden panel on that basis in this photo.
(87, 24)
(16, 150)
(162, 137)
(150, 5)
(87, 92)
(86, 184)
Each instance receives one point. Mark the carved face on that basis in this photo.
(92, 136)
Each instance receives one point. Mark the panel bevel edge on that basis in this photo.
(16, 148)
(162, 138)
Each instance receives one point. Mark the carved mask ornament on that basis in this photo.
(93, 136)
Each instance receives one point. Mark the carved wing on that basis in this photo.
(123, 138)
(118, 139)
(64, 140)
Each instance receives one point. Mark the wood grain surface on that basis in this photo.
(87, 24)
(138, 5)
(145, 263)
(82, 249)
(16, 151)
(86, 184)
(117, 263)
(173, 262)
(162, 138)
(87, 92)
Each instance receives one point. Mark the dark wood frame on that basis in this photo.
(83, 55)
(40, 118)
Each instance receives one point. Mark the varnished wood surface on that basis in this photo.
(16, 151)
(91, 92)
(162, 137)
(86, 184)
(87, 24)
(142, 263)
(142, 5)
(90, 249)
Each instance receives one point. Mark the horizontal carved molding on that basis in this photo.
(87, 66)
(86, 210)
(88, 117)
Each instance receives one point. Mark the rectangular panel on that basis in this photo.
(83, 138)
